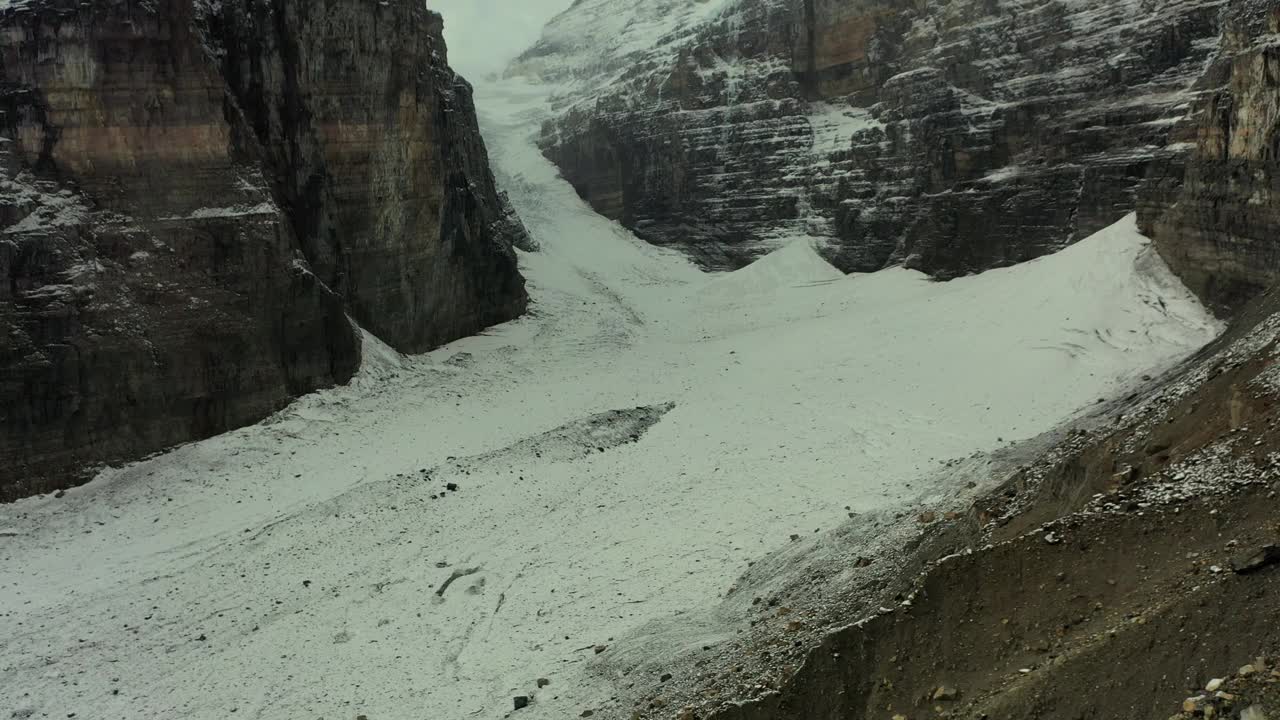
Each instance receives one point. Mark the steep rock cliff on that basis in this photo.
(380, 164)
(951, 136)
(1217, 225)
(181, 245)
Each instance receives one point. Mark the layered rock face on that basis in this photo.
(1217, 225)
(189, 210)
(380, 163)
(952, 137)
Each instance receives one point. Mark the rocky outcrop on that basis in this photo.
(951, 137)
(1217, 225)
(193, 198)
(375, 139)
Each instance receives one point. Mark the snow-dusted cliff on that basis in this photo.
(951, 136)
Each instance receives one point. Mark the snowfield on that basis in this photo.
(617, 456)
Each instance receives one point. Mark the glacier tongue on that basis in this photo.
(619, 456)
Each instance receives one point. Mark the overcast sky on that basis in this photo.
(484, 35)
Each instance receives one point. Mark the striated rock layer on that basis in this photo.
(381, 167)
(193, 198)
(1217, 225)
(951, 137)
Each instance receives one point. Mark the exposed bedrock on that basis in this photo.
(191, 207)
(951, 136)
(1218, 225)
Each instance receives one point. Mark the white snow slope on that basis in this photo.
(485, 35)
(300, 568)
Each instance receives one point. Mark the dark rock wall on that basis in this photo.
(952, 136)
(162, 277)
(1218, 226)
(383, 171)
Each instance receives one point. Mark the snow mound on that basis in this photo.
(797, 264)
(377, 359)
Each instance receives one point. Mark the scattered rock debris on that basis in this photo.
(1253, 693)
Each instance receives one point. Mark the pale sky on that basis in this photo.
(484, 35)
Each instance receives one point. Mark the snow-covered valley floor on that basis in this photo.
(619, 455)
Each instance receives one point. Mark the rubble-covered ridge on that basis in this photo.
(196, 197)
(952, 137)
